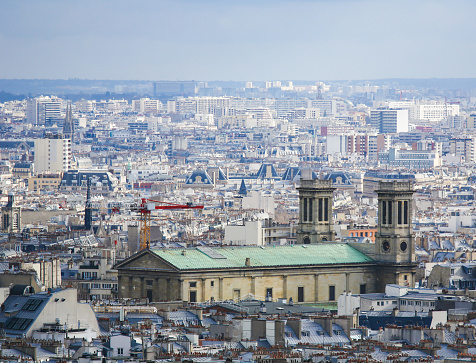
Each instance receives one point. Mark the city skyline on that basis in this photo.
(211, 40)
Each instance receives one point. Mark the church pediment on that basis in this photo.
(145, 260)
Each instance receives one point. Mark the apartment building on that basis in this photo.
(52, 154)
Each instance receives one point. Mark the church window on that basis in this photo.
(304, 209)
(269, 292)
(326, 209)
(400, 212)
(363, 288)
(321, 209)
(390, 212)
(310, 209)
(332, 293)
(405, 212)
(386, 246)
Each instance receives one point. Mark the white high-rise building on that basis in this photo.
(434, 112)
(389, 121)
(146, 106)
(44, 111)
(52, 154)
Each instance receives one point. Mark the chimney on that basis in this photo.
(248, 262)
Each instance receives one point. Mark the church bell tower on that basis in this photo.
(395, 243)
(11, 216)
(315, 211)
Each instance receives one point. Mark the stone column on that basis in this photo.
(316, 287)
(169, 298)
(220, 288)
(180, 282)
(285, 286)
(156, 292)
(142, 287)
(203, 289)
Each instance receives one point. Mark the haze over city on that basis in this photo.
(237, 40)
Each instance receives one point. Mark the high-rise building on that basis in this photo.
(52, 154)
(464, 147)
(146, 106)
(471, 122)
(44, 111)
(389, 121)
(434, 112)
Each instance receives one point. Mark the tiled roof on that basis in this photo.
(233, 257)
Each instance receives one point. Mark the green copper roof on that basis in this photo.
(232, 257)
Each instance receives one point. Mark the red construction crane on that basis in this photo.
(148, 205)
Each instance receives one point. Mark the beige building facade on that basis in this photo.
(313, 271)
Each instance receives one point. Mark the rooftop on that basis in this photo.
(233, 257)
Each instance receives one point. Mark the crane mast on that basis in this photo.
(145, 208)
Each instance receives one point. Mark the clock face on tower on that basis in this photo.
(403, 246)
(386, 246)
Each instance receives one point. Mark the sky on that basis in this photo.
(237, 40)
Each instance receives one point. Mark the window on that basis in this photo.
(452, 271)
(405, 277)
(332, 293)
(149, 282)
(363, 288)
(269, 292)
(301, 294)
(120, 351)
(403, 302)
(394, 302)
(212, 283)
(193, 284)
(305, 333)
(417, 303)
(193, 296)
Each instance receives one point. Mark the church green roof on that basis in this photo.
(269, 256)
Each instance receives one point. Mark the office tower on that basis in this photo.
(389, 121)
(44, 111)
(52, 154)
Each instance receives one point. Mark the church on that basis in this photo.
(315, 269)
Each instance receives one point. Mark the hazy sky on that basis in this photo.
(237, 39)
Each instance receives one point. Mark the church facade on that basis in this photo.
(315, 269)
